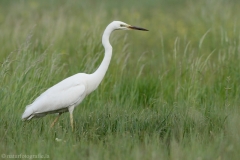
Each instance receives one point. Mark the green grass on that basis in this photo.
(170, 93)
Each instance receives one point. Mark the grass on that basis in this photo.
(170, 93)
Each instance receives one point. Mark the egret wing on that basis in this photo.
(54, 101)
(58, 98)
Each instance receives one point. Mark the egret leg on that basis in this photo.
(71, 116)
(55, 120)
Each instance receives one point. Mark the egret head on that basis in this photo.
(118, 25)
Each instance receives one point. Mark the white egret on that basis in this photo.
(67, 94)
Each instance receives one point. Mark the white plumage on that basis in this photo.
(67, 94)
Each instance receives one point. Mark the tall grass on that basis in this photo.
(170, 93)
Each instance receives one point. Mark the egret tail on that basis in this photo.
(27, 115)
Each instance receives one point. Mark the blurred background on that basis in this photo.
(170, 93)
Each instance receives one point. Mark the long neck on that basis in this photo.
(102, 69)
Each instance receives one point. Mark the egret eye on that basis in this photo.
(122, 25)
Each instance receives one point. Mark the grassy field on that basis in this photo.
(170, 93)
